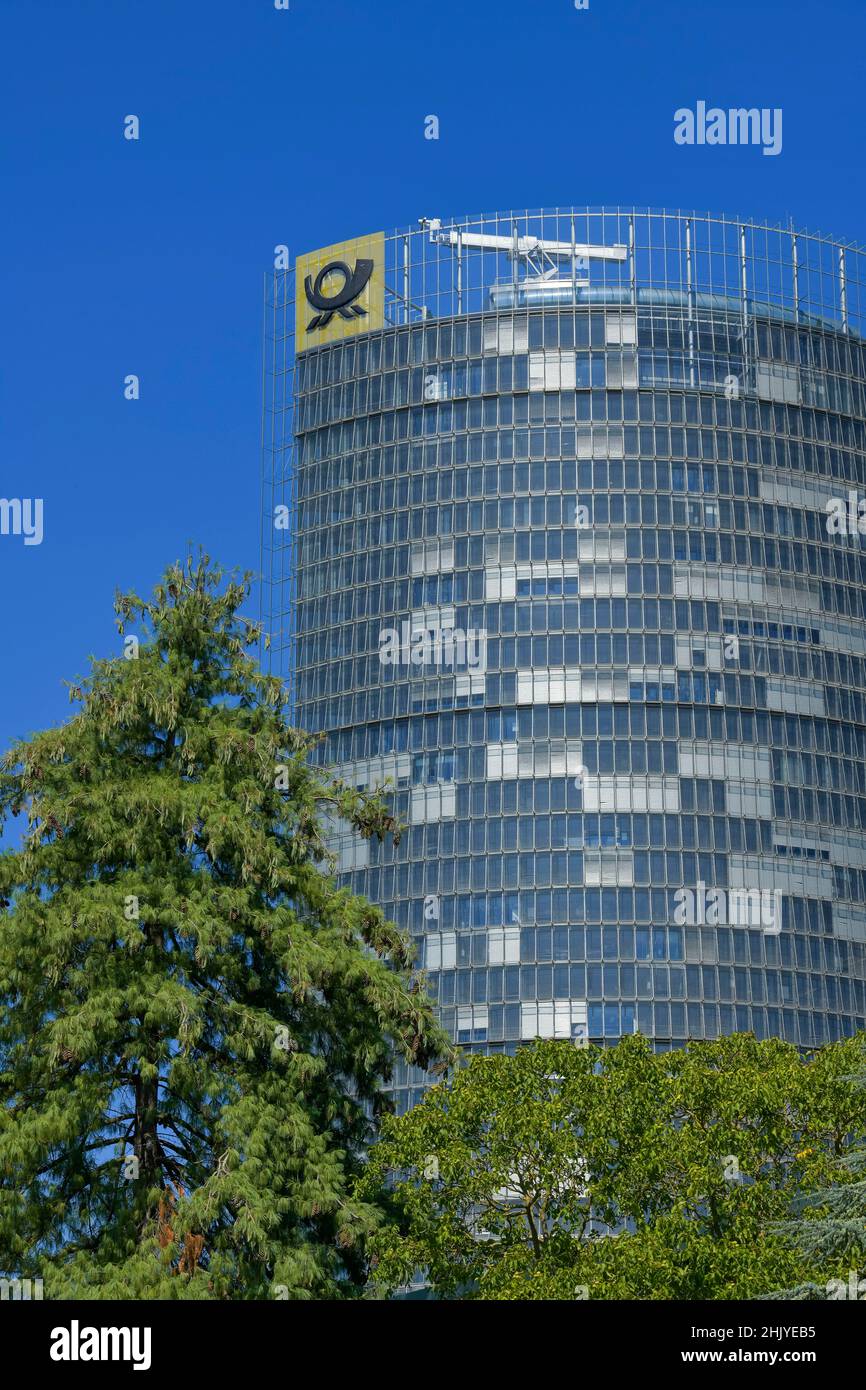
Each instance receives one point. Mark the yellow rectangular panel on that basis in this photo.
(340, 291)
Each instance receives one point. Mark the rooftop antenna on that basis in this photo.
(538, 256)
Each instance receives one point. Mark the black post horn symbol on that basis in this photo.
(341, 302)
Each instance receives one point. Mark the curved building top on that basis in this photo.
(628, 256)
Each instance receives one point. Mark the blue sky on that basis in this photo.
(303, 127)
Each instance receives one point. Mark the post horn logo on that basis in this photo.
(354, 282)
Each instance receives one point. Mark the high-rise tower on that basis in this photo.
(573, 558)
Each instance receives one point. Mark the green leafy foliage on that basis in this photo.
(195, 1022)
(827, 1226)
(616, 1173)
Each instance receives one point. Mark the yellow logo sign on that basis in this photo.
(340, 291)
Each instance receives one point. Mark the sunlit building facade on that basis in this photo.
(560, 545)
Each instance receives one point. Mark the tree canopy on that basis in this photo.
(617, 1173)
(196, 1023)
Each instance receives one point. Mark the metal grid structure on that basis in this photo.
(714, 264)
(276, 585)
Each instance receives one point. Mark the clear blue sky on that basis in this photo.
(260, 127)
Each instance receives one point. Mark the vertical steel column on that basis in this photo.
(690, 302)
(744, 286)
(515, 260)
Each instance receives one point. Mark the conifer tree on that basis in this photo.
(827, 1225)
(195, 1021)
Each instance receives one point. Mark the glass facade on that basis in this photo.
(574, 567)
